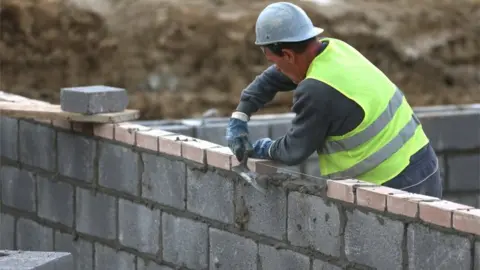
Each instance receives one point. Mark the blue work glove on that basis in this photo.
(237, 136)
(261, 148)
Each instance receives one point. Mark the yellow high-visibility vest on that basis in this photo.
(380, 147)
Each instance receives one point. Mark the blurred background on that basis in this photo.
(178, 59)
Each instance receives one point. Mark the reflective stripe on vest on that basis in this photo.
(371, 131)
(385, 152)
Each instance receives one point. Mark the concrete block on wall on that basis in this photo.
(33, 236)
(463, 172)
(367, 235)
(279, 128)
(272, 258)
(321, 265)
(9, 137)
(185, 242)
(34, 260)
(229, 251)
(312, 166)
(214, 133)
(443, 129)
(313, 223)
(477, 256)
(107, 258)
(76, 156)
(267, 213)
(462, 198)
(55, 201)
(37, 145)
(7, 231)
(149, 265)
(163, 180)
(95, 214)
(93, 99)
(138, 227)
(178, 128)
(81, 250)
(444, 251)
(258, 130)
(18, 188)
(210, 195)
(118, 168)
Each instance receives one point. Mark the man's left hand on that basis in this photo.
(261, 148)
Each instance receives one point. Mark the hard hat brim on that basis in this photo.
(315, 31)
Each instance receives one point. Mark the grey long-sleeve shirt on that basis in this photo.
(321, 111)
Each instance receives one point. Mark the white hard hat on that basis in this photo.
(284, 22)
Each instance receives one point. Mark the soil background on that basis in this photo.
(178, 59)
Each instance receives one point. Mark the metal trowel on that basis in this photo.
(248, 175)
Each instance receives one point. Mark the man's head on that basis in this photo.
(287, 37)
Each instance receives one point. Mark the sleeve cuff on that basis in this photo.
(270, 149)
(241, 116)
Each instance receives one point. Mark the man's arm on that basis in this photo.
(263, 89)
(321, 111)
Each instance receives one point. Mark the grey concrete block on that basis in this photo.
(279, 128)
(210, 195)
(18, 188)
(257, 130)
(229, 251)
(463, 172)
(267, 213)
(431, 249)
(281, 259)
(76, 156)
(7, 231)
(107, 258)
(55, 201)
(178, 128)
(138, 227)
(9, 137)
(185, 242)
(462, 198)
(95, 214)
(81, 250)
(368, 235)
(312, 167)
(33, 260)
(477, 256)
(33, 236)
(443, 128)
(213, 133)
(313, 223)
(37, 145)
(118, 168)
(93, 99)
(163, 180)
(321, 265)
(149, 265)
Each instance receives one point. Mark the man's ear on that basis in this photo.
(288, 55)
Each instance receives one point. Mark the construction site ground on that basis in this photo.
(178, 59)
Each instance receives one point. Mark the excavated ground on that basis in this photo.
(180, 58)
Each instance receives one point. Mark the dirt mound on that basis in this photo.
(178, 60)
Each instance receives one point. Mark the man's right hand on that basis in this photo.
(237, 136)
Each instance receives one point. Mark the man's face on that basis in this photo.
(285, 64)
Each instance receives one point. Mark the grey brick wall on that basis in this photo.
(454, 133)
(114, 206)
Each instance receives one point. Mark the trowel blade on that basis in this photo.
(249, 176)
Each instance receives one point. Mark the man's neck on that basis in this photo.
(313, 51)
